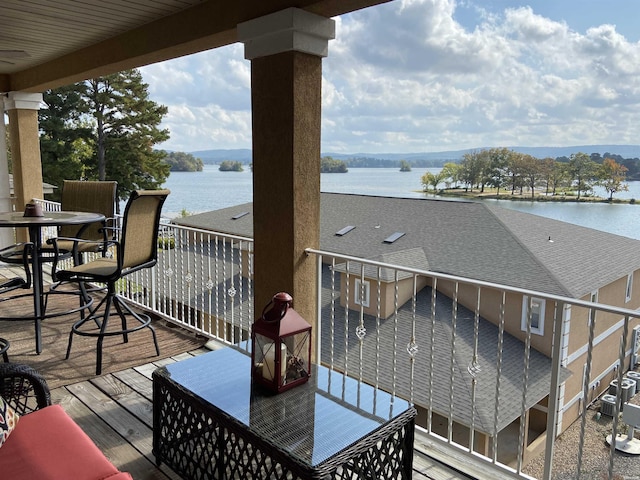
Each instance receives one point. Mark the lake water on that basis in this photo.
(211, 190)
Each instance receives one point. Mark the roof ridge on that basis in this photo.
(532, 255)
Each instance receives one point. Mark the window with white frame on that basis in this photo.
(361, 294)
(534, 307)
(629, 291)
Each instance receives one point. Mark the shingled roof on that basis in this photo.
(469, 239)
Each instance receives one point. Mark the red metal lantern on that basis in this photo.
(280, 346)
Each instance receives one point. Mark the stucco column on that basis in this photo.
(6, 234)
(286, 50)
(22, 109)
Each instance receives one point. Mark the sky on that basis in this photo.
(435, 75)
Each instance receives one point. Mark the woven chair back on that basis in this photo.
(96, 197)
(140, 224)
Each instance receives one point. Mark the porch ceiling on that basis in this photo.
(46, 44)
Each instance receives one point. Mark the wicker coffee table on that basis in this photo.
(209, 423)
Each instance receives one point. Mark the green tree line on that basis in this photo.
(507, 170)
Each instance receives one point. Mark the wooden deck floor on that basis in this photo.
(115, 410)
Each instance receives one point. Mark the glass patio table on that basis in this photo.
(35, 226)
(210, 423)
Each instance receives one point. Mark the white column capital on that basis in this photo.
(22, 101)
(288, 30)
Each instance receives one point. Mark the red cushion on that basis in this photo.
(49, 445)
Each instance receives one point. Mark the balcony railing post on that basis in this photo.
(554, 391)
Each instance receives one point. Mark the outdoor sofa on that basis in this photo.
(39, 440)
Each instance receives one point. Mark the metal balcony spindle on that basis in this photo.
(554, 390)
(412, 346)
(394, 348)
(452, 363)
(216, 264)
(621, 361)
(432, 353)
(199, 280)
(525, 386)
(496, 408)
(168, 278)
(378, 320)
(225, 302)
(360, 329)
(585, 388)
(474, 369)
(317, 338)
(332, 318)
(346, 317)
(209, 287)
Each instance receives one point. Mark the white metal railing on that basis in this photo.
(202, 281)
(489, 392)
(449, 344)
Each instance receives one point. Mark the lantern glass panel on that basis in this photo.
(267, 357)
(298, 361)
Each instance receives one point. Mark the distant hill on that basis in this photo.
(429, 158)
(216, 156)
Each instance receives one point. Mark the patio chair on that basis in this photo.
(84, 196)
(23, 388)
(136, 249)
(79, 196)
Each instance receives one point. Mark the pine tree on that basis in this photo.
(105, 129)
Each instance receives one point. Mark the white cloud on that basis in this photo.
(407, 76)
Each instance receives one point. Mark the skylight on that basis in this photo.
(393, 237)
(240, 215)
(345, 230)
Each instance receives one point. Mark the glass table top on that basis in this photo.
(312, 422)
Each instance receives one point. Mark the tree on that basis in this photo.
(104, 129)
(405, 166)
(547, 167)
(612, 176)
(432, 180)
(451, 171)
(516, 169)
(474, 169)
(530, 171)
(583, 171)
(331, 165)
(65, 136)
(498, 167)
(230, 166)
(183, 162)
(124, 119)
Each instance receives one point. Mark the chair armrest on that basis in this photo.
(16, 248)
(24, 249)
(54, 241)
(23, 388)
